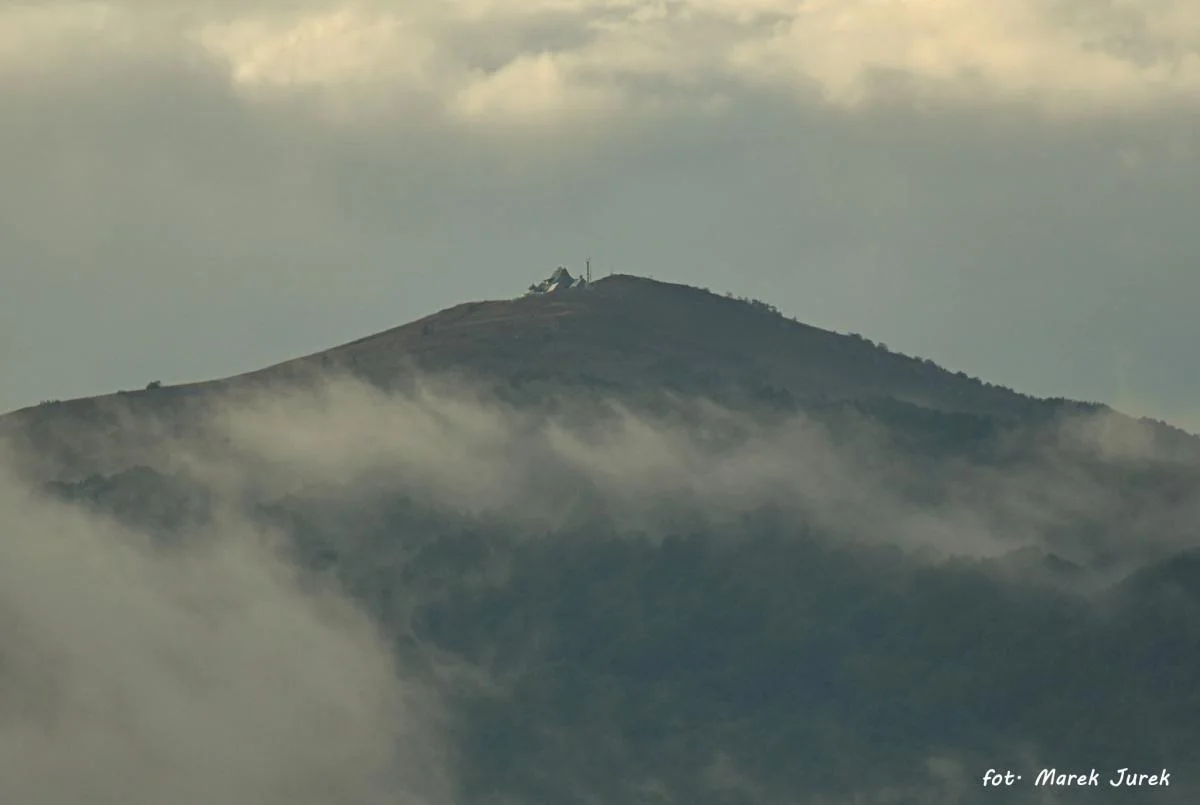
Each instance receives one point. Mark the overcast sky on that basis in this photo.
(189, 190)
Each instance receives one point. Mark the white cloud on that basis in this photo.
(133, 674)
(332, 47)
(1024, 50)
(500, 61)
(1016, 51)
(451, 445)
(533, 89)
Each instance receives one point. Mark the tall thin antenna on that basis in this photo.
(589, 271)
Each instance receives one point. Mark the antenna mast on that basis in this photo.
(589, 270)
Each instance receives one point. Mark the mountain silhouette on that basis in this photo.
(621, 334)
(628, 332)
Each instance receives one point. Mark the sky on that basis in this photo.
(191, 190)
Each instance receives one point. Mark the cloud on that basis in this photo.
(136, 675)
(1060, 55)
(330, 47)
(455, 447)
(533, 88)
(1056, 54)
(507, 61)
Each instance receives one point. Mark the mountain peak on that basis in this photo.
(634, 333)
(621, 334)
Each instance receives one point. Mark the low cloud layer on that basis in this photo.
(135, 675)
(452, 446)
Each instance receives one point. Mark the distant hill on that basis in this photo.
(622, 334)
(627, 332)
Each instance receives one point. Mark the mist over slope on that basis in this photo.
(632, 544)
(134, 674)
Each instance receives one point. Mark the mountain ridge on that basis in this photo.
(620, 335)
(658, 328)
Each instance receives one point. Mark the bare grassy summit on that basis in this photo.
(626, 332)
(619, 335)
